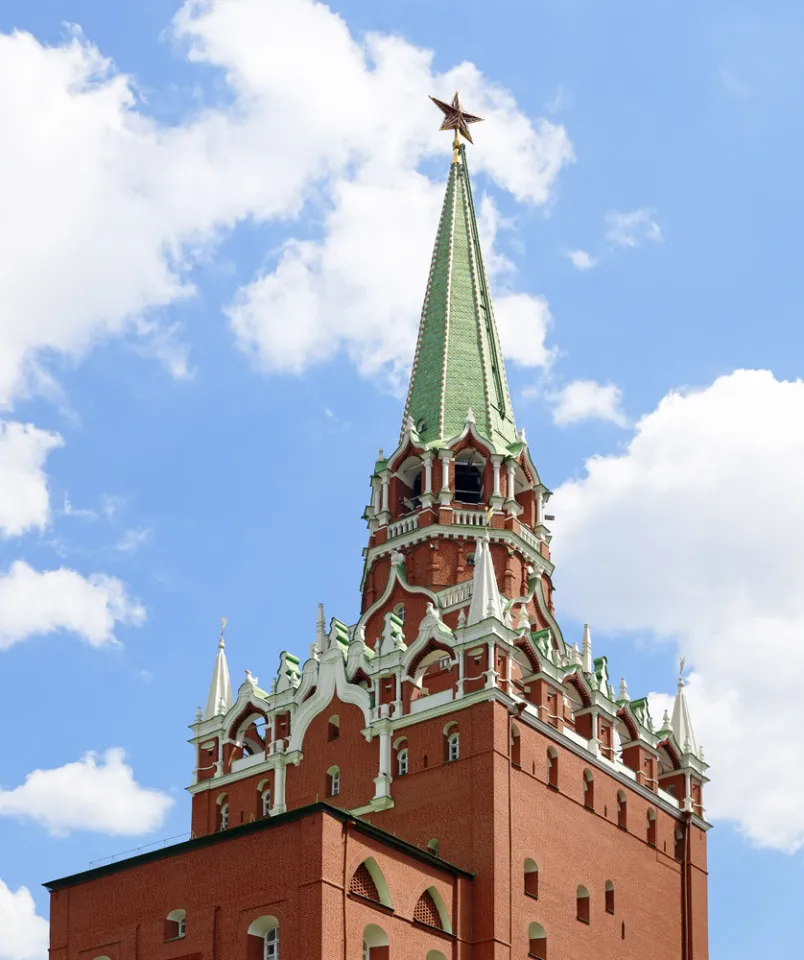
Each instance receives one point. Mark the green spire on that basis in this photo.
(458, 363)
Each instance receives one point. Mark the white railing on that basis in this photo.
(431, 700)
(250, 761)
(470, 518)
(136, 851)
(405, 525)
(457, 594)
(530, 538)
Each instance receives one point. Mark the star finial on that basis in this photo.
(455, 119)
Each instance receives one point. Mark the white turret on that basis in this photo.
(587, 649)
(219, 699)
(485, 593)
(682, 724)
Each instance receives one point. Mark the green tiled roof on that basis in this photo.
(458, 362)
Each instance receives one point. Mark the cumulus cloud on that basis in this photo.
(98, 794)
(633, 228)
(24, 499)
(34, 603)
(24, 932)
(587, 400)
(581, 260)
(693, 535)
(128, 204)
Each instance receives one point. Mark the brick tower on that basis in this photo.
(448, 777)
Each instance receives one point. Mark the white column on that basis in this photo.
(539, 508)
(445, 495)
(279, 785)
(496, 461)
(427, 460)
(491, 673)
(382, 781)
(460, 655)
(384, 514)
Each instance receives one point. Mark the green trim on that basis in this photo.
(362, 826)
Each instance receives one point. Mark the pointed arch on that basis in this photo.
(431, 910)
(368, 881)
(577, 681)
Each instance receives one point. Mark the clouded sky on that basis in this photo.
(215, 225)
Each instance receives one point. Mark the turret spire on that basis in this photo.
(219, 698)
(458, 362)
(486, 600)
(682, 724)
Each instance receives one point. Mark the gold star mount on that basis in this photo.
(456, 119)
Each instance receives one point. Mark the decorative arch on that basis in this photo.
(581, 687)
(525, 644)
(374, 936)
(429, 648)
(331, 679)
(175, 924)
(239, 723)
(431, 910)
(625, 716)
(263, 938)
(368, 881)
(668, 747)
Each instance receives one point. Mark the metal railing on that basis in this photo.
(136, 851)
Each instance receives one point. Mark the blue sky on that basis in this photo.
(214, 233)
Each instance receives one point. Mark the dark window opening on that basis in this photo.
(468, 483)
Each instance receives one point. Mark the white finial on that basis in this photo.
(522, 435)
(623, 694)
(700, 753)
(587, 649)
(462, 617)
(219, 698)
(250, 678)
(198, 715)
(523, 623)
(470, 417)
(380, 454)
(486, 600)
(666, 721)
(320, 630)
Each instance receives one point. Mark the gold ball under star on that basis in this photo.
(455, 118)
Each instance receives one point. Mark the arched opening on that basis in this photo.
(430, 910)
(333, 727)
(402, 762)
(582, 904)
(516, 748)
(175, 924)
(222, 812)
(622, 810)
(537, 941)
(435, 955)
(588, 790)
(333, 782)
(531, 879)
(369, 883)
(678, 844)
(452, 742)
(432, 846)
(410, 491)
(652, 827)
(609, 897)
(375, 943)
(399, 611)
(469, 476)
(552, 768)
(265, 802)
(263, 939)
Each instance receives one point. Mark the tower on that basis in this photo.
(447, 776)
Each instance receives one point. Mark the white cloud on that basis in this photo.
(633, 228)
(24, 499)
(95, 794)
(24, 932)
(128, 205)
(588, 400)
(581, 260)
(693, 534)
(133, 539)
(34, 603)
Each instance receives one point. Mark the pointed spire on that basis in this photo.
(587, 649)
(485, 592)
(682, 724)
(219, 699)
(458, 361)
(321, 631)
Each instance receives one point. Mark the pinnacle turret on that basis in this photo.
(486, 600)
(219, 699)
(682, 724)
(458, 365)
